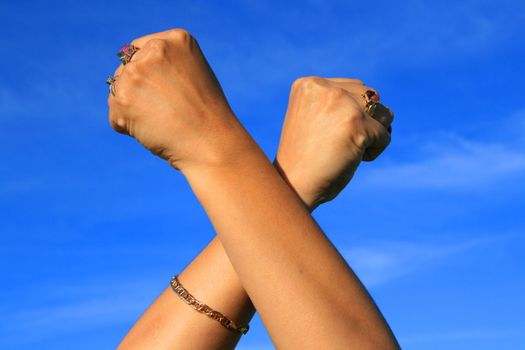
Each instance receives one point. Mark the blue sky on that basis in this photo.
(92, 226)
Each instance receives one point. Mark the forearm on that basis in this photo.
(294, 276)
(170, 323)
(170, 101)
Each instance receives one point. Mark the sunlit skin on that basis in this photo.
(270, 254)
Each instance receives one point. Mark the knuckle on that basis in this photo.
(112, 119)
(156, 48)
(306, 82)
(113, 124)
(122, 99)
(312, 81)
(297, 83)
(118, 71)
(117, 122)
(335, 93)
(119, 125)
(361, 140)
(355, 119)
(358, 115)
(141, 41)
(133, 71)
(179, 36)
(157, 44)
(353, 126)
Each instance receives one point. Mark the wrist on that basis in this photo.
(229, 145)
(238, 152)
(309, 200)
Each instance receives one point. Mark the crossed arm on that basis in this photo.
(170, 324)
(269, 249)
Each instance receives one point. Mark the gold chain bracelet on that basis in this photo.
(205, 309)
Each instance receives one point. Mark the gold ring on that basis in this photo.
(371, 99)
(111, 81)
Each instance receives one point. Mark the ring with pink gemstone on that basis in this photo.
(126, 52)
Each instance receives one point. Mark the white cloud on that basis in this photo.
(342, 43)
(94, 304)
(379, 262)
(48, 99)
(456, 335)
(408, 33)
(73, 307)
(59, 319)
(455, 163)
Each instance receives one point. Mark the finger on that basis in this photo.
(165, 35)
(381, 113)
(139, 44)
(384, 115)
(121, 66)
(364, 89)
(137, 56)
(132, 57)
(142, 41)
(355, 87)
(118, 128)
(358, 91)
(118, 71)
(160, 40)
(117, 123)
(380, 140)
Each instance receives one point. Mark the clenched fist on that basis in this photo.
(168, 98)
(326, 134)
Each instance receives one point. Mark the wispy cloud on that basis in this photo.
(56, 320)
(452, 163)
(420, 38)
(271, 58)
(48, 99)
(379, 262)
(69, 308)
(91, 305)
(457, 335)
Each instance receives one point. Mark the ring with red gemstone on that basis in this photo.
(371, 99)
(126, 52)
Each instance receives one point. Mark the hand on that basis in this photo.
(168, 98)
(326, 134)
